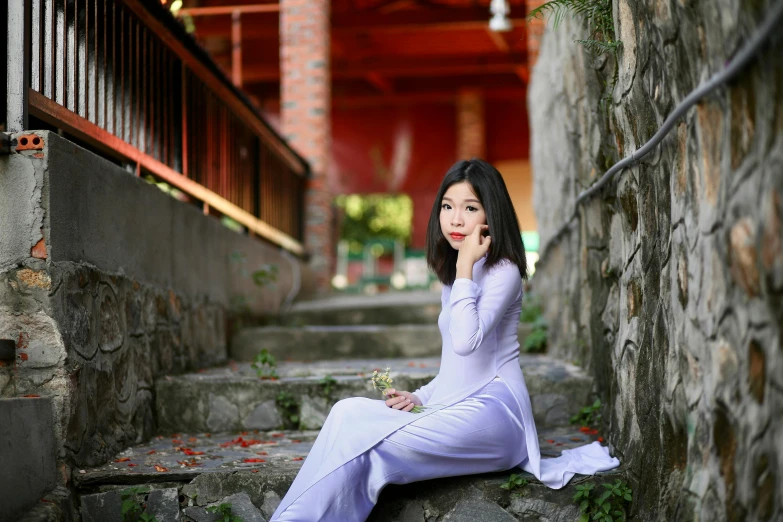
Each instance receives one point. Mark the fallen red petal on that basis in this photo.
(254, 460)
(297, 458)
(123, 459)
(160, 468)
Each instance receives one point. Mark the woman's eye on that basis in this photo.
(445, 206)
(471, 209)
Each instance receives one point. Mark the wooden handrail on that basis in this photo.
(42, 107)
(217, 86)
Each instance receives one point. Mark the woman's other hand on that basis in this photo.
(404, 401)
(473, 248)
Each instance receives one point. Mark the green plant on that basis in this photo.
(286, 402)
(597, 13)
(224, 510)
(265, 276)
(265, 365)
(327, 384)
(536, 340)
(532, 310)
(611, 506)
(515, 482)
(133, 505)
(589, 415)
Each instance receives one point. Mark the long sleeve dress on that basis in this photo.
(478, 416)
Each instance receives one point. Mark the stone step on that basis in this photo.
(234, 398)
(315, 343)
(253, 470)
(420, 307)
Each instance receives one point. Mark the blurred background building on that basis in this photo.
(381, 97)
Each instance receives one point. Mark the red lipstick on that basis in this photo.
(455, 235)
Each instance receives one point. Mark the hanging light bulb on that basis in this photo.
(499, 20)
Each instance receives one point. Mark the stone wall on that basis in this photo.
(107, 283)
(669, 286)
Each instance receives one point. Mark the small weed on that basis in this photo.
(327, 384)
(515, 482)
(611, 506)
(265, 365)
(133, 505)
(286, 402)
(224, 511)
(536, 340)
(532, 310)
(589, 415)
(265, 276)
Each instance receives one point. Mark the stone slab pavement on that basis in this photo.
(184, 456)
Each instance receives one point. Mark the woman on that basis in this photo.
(478, 416)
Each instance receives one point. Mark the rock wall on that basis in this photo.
(669, 286)
(106, 284)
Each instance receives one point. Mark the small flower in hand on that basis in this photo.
(382, 382)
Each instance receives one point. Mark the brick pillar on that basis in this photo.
(535, 30)
(305, 92)
(470, 125)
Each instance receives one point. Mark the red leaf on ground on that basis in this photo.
(189, 452)
(277, 434)
(151, 452)
(23, 356)
(255, 471)
(296, 441)
(297, 458)
(31, 396)
(123, 459)
(558, 443)
(132, 465)
(585, 429)
(551, 441)
(189, 463)
(253, 460)
(600, 439)
(261, 453)
(592, 432)
(160, 468)
(177, 441)
(192, 439)
(411, 363)
(208, 435)
(422, 365)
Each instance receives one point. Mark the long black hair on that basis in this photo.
(488, 185)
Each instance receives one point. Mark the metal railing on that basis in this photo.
(124, 77)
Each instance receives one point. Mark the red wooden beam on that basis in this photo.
(426, 67)
(218, 10)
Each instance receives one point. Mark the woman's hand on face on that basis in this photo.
(474, 246)
(404, 401)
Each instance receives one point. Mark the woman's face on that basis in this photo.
(460, 212)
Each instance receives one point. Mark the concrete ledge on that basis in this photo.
(27, 453)
(234, 398)
(318, 343)
(255, 469)
(391, 308)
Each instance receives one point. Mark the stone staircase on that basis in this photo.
(223, 437)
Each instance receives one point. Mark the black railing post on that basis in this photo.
(18, 64)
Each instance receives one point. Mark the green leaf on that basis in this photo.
(584, 506)
(584, 517)
(628, 497)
